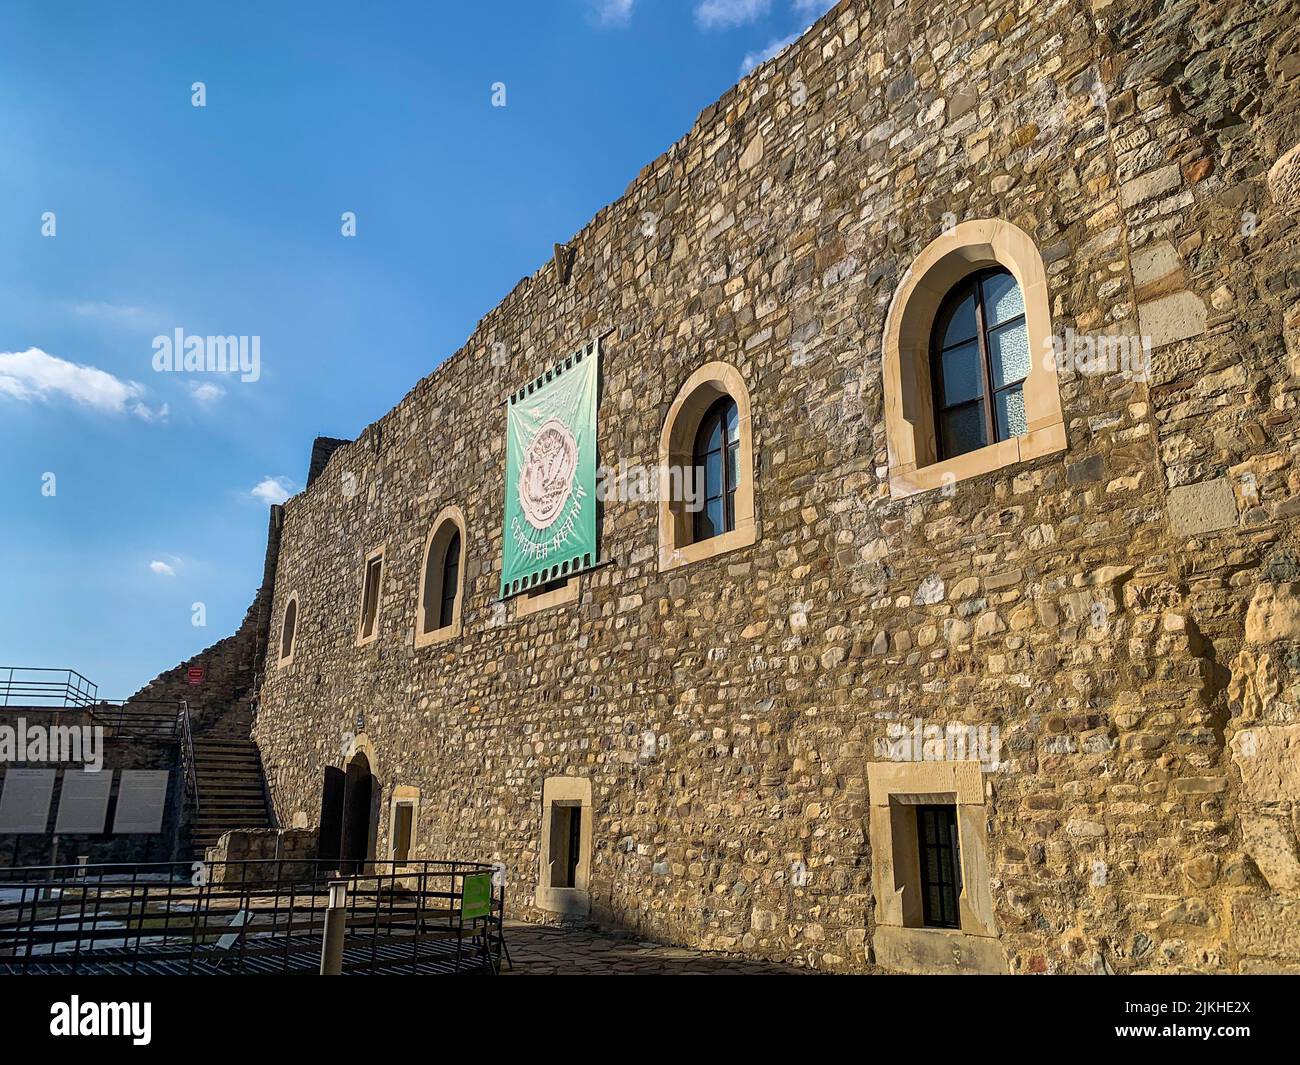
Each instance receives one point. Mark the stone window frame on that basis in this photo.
(403, 795)
(910, 433)
(450, 517)
(374, 553)
(901, 939)
(283, 659)
(576, 900)
(527, 603)
(676, 451)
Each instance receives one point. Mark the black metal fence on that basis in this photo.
(247, 917)
(37, 686)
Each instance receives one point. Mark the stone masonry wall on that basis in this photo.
(1126, 613)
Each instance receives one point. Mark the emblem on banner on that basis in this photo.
(546, 476)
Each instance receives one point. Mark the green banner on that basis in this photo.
(550, 514)
(476, 896)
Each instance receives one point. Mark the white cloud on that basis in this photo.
(272, 490)
(753, 59)
(711, 14)
(33, 375)
(206, 393)
(162, 568)
(613, 12)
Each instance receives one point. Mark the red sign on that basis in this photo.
(196, 674)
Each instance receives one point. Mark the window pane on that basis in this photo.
(957, 323)
(733, 466)
(1010, 408)
(710, 438)
(1009, 354)
(962, 429)
(961, 375)
(712, 474)
(1002, 299)
(708, 522)
(731, 420)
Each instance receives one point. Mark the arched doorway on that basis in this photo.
(358, 794)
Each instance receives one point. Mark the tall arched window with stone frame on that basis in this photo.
(706, 469)
(943, 390)
(442, 580)
(288, 632)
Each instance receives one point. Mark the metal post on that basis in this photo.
(336, 918)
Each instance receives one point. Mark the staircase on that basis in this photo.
(229, 776)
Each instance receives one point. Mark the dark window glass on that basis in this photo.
(290, 623)
(717, 469)
(450, 579)
(370, 599)
(979, 359)
(936, 837)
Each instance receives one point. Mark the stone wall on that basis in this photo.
(1124, 612)
(273, 855)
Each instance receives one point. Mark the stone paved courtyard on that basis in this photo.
(541, 950)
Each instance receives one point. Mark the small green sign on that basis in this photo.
(476, 896)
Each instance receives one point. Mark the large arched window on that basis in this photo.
(438, 609)
(706, 469)
(288, 630)
(970, 381)
(979, 359)
(716, 455)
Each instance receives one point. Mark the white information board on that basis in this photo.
(25, 802)
(83, 802)
(141, 799)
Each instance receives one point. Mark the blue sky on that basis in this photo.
(226, 220)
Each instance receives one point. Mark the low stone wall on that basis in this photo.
(295, 847)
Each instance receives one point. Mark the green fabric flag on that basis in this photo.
(550, 513)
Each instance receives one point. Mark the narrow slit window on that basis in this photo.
(370, 597)
(936, 837)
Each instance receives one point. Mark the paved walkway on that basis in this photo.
(541, 950)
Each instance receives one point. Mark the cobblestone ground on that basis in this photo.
(540, 950)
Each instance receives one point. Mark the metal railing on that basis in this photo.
(143, 719)
(39, 686)
(188, 768)
(244, 917)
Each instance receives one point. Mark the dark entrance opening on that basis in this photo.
(357, 789)
(331, 816)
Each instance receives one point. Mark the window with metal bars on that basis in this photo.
(979, 360)
(936, 838)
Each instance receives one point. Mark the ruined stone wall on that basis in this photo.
(1125, 612)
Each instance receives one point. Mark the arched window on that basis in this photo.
(706, 469)
(438, 609)
(288, 630)
(450, 580)
(970, 384)
(979, 359)
(716, 456)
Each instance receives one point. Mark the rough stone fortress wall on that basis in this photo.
(1108, 604)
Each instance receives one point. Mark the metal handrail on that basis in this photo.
(53, 687)
(187, 754)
